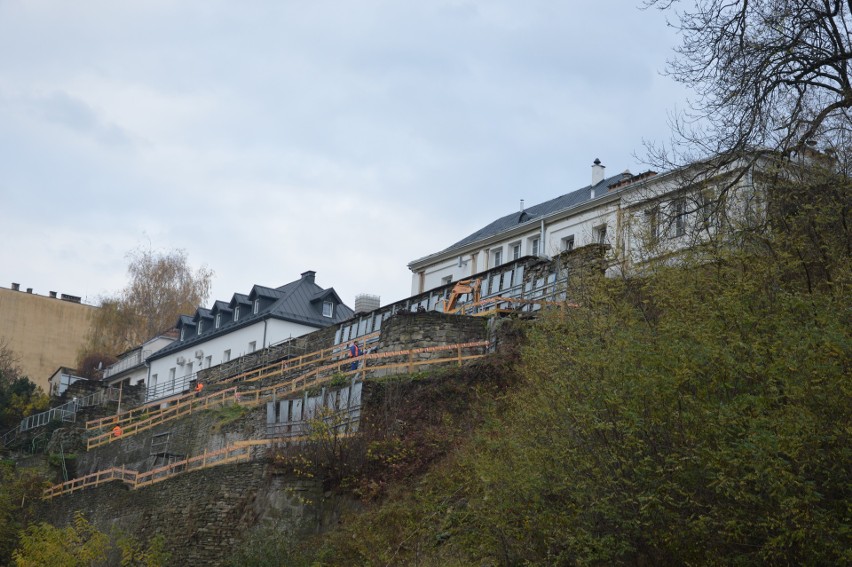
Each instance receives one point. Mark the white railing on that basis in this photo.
(125, 363)
(176, 386)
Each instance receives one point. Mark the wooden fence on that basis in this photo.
(316, 376)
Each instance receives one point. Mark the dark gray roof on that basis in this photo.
(566, 201)
(299, 301)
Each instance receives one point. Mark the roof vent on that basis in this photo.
(16, 286)
(597, 172)
(53, 294)
(29, 290)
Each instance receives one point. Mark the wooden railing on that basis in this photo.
(237, 452)
(316, 376)
(185, 406)
(134, 479)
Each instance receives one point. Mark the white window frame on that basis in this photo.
(256, 306)
(515, 247)
(198, 327)
(600, 234)
(237, 313)
(568, 243)
(218, 319)
(535, 246)
(497, 257)
(252, 346)
(330, 311)
(226, 356)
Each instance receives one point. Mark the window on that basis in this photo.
(516, 251)
(568, 243)
(600, 234)
(498, 257)
(153, 380)
(226, 356)
(218, 319)
(237, 313)
(209, 361)
(182, 332)
(534, 246)
(252, 346)
(680, 217)
(652, 217)
(172, 374)
(256, 307)
(198, 328)
(327, 309)
(446, 280)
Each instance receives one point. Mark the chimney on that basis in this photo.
(597, 172)
(522, 205)
(16, 286)
(53, 294)
(309, 276)
(29, 290)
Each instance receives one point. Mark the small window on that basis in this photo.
(226, 356)
(600, 234)
(680, 217)
(182, 333)
(172, 373)
(447, 280)
(327, 309)
(198, 328)
(256, 307)
(516, 251)
(153, 380)
(498, 257)
(534, 246)
(568, 243)
(252, 346)
(237, 313)
(218, 319)
(209, 361)
(652, 216)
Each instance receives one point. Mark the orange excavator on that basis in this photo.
(462, 287)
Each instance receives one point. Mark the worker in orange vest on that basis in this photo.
(354, 352)
(198, 388)
(116, 431)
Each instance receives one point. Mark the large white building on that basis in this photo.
(248, 322)
(636, 216)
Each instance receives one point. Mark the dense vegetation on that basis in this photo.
(697, 415)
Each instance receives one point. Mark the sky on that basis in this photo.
(267, 138)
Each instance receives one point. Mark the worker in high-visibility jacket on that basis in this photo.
(116, 431)
(354, 352)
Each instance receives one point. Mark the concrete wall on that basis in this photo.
(44, 332)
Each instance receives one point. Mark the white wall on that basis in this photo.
(237, 341)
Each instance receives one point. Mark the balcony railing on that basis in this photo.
(126, 363)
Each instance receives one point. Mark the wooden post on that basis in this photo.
(410, 362)
(459, 354)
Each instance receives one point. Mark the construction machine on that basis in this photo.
(462, 287)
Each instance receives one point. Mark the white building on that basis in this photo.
(131, 368)
(637, 216)
(264, 317)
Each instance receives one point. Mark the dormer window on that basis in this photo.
(237, 313)
(198, 329)
(182, 333)
(327, 309)
(218, 319)
(256, 307)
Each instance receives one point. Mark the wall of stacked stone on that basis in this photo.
(406, 331)
(203, 514)
(318, 340)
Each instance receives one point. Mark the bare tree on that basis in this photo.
(162, 286)
(769, 76)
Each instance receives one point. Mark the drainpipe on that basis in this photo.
(265, 322)
(541, 240)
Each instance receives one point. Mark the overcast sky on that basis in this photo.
(266, 138)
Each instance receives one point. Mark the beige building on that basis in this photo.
(44, 332)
